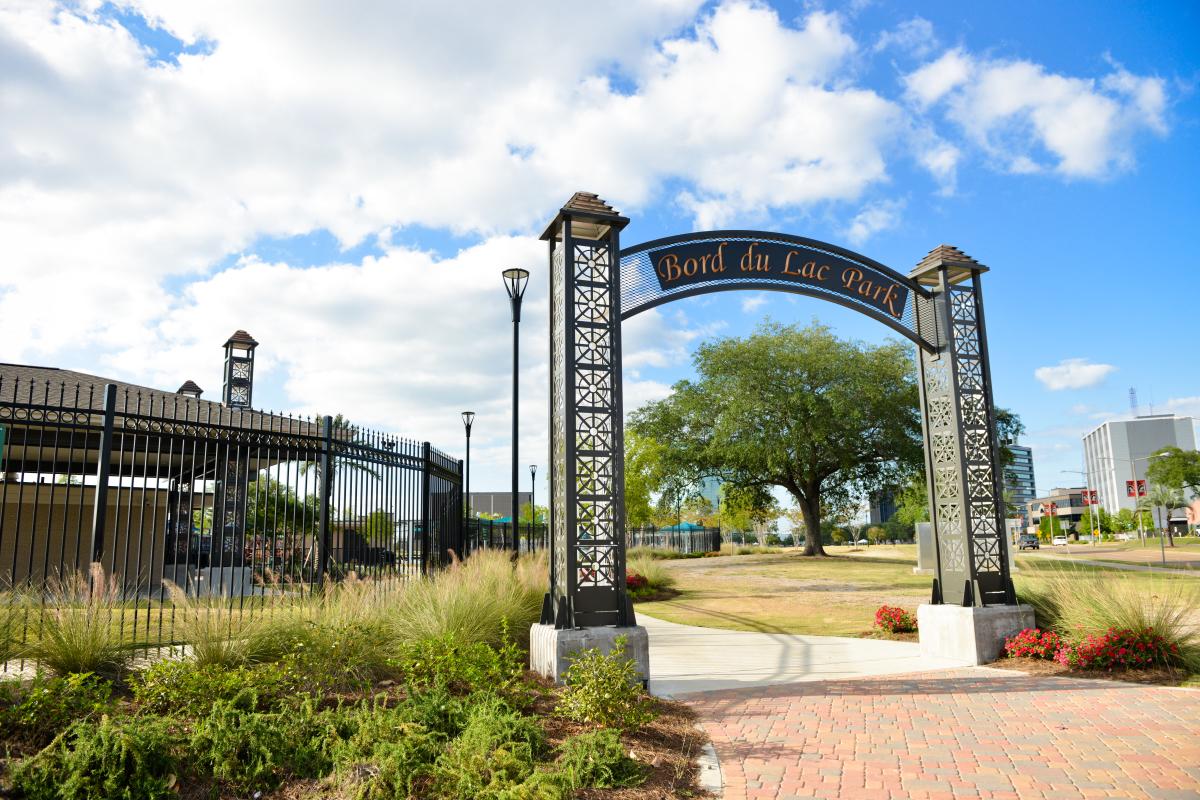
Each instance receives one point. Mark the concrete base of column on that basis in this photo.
(969, 634)
(551, 649)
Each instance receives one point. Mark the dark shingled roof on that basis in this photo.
(959, 265)
(189, 386)
(591, 217)
(241, 337)
(22, 384)
(589, 203)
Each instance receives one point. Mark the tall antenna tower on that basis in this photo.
(1133, 403)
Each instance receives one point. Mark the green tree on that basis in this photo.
(747, 508)
(1162, 497)
(912, 503)
(342, 431)
(1050, 526)
(646, 479)
(274, 508)
(527, 517)
(1175, 468)
(793, 407)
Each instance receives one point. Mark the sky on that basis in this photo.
(347, 181)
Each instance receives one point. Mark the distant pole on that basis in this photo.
(532, 503)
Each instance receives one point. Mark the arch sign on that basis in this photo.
(595, 285)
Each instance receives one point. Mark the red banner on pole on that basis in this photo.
(1129, 490)
(1141, 488)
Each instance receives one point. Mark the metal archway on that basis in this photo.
(594, 285)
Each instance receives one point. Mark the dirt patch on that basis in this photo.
(1159, 676)
(875, 633)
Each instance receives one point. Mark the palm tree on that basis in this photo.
(1166, 498)
(342, 430)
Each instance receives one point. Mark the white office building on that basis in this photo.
(1118, 451)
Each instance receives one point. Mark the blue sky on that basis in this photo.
(347, 187)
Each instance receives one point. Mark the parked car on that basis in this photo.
(1059, 541)
(860, 542)
(1029, 541)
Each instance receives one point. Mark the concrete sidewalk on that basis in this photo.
(686, 659)
(1123, 565)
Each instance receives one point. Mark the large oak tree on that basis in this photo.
(793, 407)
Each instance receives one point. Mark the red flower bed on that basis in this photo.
(895, 620)
(1033, 643)
(1118, 649)
(633, 581)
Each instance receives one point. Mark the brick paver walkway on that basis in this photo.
(961, 733)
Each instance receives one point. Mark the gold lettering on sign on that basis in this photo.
(853, 280)
(810, 269)
(755, 262)
(670, 268)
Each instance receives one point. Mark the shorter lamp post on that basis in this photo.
(532, 504)
(468, 418)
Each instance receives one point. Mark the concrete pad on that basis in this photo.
(686, 659)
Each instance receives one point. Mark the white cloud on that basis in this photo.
(873, 218)
(1185, 406)
(1028, 119)
(754, 302)
(123, 176)
(1073, 373)
(914, 37)
(935, 80)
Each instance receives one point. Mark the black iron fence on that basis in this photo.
(162, 489)
(688, 540)
(490, 535)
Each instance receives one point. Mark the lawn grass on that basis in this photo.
(834, 596)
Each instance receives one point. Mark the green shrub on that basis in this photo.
(12, 608)
(438, 711)
(251, 750)
(128, 758)
(189, 689)
(604, 689)
(39, 713)
(385, 756)
(597, 760)
(80, 632)
(462, 667)
(495, 752)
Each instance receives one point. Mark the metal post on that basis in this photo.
(516, 315)
(426, 516)
(532, 504)
(100, 506)
(324, 490)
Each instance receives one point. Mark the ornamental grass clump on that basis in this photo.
(1095, 604)
(80, 631)
(1033, 643)
(471, 600)
(895, 620)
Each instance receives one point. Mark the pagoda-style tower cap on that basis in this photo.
(958, 265)
(190, 388)
(591, 217)
(241, 338)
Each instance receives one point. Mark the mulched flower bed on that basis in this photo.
(1159, 676)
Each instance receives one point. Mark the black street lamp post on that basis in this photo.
(468, 418)
(532, 504)
(515, 281)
